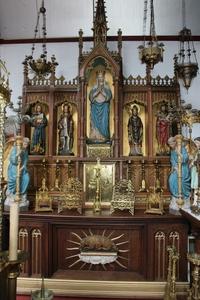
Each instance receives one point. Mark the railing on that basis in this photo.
(37, 81)
(157, 81)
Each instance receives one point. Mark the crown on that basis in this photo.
(100, 70)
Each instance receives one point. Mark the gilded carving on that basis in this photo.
(123, 196)
(98, 150)
(71, 194)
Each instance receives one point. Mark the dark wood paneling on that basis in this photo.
(142, 233)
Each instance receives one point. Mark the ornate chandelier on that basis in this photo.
(41, 66)
(150, 52)
(185, 62)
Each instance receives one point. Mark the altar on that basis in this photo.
(55, 243)
(99, 164)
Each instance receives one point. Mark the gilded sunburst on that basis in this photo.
(98, 249)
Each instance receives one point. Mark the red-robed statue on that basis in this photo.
(163, 130)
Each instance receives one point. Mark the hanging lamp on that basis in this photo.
(185, 62)
(41, 66)
(151, 52)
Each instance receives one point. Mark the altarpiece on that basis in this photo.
(99, 133)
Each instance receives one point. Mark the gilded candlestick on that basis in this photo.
(143, 183)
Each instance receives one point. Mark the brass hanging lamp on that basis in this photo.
(185, 62)
(150, 52)
(41, 66)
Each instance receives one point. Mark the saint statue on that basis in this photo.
(66, 131)
(175, 156)
(163, 130)
(15, 159)
(135, 132)
(100, 97)
(39, 122)
(194, 165)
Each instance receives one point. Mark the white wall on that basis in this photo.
(66, 17)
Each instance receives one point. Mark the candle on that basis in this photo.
(14, 224)
(14, 208)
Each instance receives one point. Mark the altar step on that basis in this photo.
(28, 297)
(82, 289)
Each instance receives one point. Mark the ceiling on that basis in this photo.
(66, 17)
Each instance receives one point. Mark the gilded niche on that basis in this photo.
(100, 125)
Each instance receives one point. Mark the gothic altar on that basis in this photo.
(98, 155)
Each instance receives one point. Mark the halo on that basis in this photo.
(132, 106)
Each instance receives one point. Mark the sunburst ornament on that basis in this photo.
(98, 249)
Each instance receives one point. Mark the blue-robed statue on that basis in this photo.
(100, 97)
(39, 122)
(173, 177)
(14, 159)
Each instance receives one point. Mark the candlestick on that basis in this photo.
(143, 183)
(129, 171)
(69, 169)
(157, 181)
(57, 177)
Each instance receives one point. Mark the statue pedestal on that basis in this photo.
(99, 150)
(174, 207)
(23, 204)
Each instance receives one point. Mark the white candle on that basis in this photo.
(14, 225)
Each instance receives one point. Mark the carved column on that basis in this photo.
(116, 117)
(82, 117)
(150, 121)
(51, 142)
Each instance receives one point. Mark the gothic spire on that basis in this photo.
(100, 24)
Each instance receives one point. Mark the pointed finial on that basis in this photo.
(100, 24)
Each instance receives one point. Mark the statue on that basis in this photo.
(173, 117)
(39, 122)
(195, 169)
(135, 132)
(176, 157)
(100, 97)
(66, 131)
(163, 130)
(15, 159)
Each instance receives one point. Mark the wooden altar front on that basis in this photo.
(53, 242)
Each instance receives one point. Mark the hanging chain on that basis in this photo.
(42, 11)
(152, 23)
(44, 33)
(183, 14)
(93, 10)
(145, 19)
(36, 29)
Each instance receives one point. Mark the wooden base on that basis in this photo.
(80, 290)
(53, 242)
